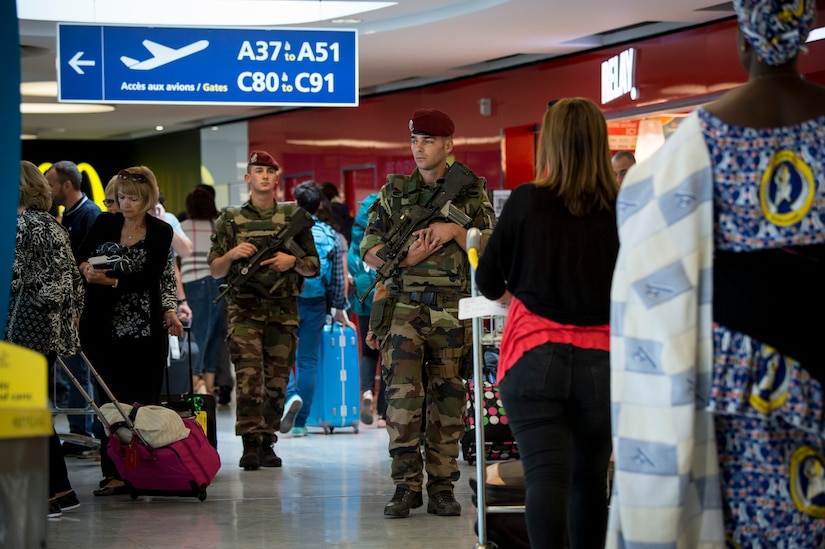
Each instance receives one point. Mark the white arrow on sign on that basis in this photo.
(75, 62)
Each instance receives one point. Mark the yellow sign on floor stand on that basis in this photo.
(24, 410)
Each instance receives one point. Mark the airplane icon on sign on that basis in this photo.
(161, 55)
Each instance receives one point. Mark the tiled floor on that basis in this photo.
(330, 492)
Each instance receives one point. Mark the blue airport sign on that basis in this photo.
(207, 66)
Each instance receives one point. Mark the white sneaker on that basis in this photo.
(366, 407)
(291, 408)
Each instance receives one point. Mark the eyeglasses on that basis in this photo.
(108, 202)
(136, 177)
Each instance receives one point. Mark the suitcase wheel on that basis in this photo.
(202, 493)
(355, 427)
(133, 494)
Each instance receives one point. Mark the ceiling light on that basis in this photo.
(63, 108)
(214, 13)
(38, 89)
(27, 136)
(159, 128)
(346, 21)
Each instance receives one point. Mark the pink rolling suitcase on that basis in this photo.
(183, 468)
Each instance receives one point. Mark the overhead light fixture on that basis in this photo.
(192, 13)
(27, 136)
(63, 108)
(38, 89)
(346, 21)
(159, 128)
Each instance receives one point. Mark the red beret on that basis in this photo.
(263, 158)
(431, 122)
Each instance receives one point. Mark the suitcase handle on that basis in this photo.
(188, 332)
(126, 419)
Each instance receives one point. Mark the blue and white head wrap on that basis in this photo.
(776, 29)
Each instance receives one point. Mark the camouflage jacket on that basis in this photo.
(447, 269)
(252, 224)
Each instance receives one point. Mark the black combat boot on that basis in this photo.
(443, 504)
(267, 455)
(250, 459)
(403, 500)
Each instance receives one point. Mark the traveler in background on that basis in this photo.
(551, 257)
(224, 378)
(422, 335)
(341, 218)
(79, 211)
(79, 214)
(181, 247)
(339, 264)
(208, 318)
(319, 294)
(262, 338)
(718, 299)
(111, 197)
(45, 303)
(361, 277)
(622, 161)
(130, 304)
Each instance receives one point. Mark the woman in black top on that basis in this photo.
(131, 305)
(551, 256)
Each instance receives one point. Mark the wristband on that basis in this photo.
(181, 301)
(117, 281)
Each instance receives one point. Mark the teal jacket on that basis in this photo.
(360, 273)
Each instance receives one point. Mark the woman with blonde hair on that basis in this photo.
(131, 304)
(551, 256)
(45, 302)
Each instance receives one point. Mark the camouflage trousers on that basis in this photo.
(421, 356)
(262, 352)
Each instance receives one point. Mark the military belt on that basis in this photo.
(432, 299)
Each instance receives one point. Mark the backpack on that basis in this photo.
(325, 240)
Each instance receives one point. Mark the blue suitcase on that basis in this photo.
(338, 388)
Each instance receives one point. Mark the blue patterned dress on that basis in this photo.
(769, 198)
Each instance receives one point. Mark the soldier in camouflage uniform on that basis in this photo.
(262, 322)
(423, 343)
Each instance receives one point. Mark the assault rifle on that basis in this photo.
(400, 237)
(284, 239)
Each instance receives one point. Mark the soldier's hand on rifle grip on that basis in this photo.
(243, 251)
(441, 233)
(280, 262)
(423, 247)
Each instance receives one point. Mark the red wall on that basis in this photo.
(683, 68)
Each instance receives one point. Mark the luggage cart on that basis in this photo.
(488, 324)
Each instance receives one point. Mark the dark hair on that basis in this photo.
(208, 188)
(308, 196)
(324, 213)
(329, 190)
(200, 205)
(67, 170)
